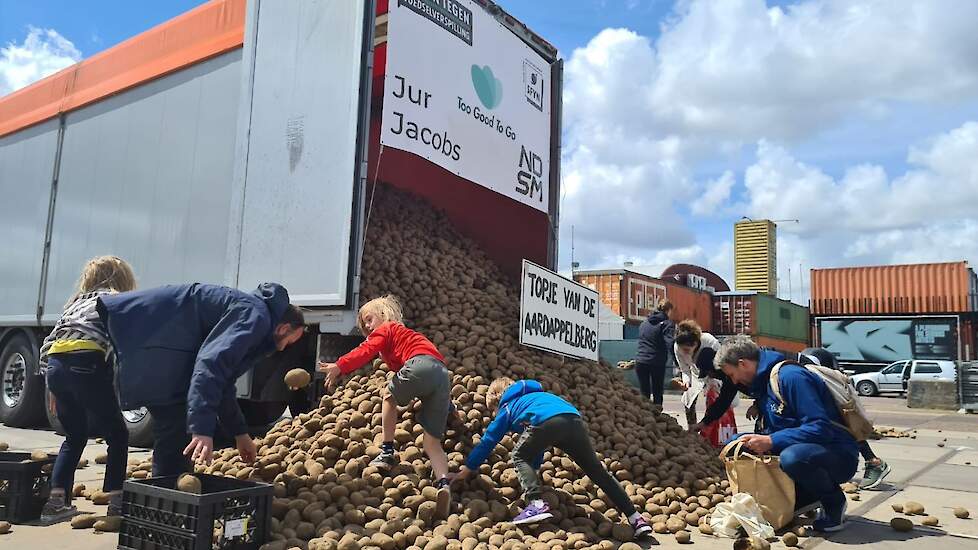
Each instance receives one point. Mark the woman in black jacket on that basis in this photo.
(656, 335)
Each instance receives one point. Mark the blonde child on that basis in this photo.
(546, 421)
(419, 373)
(76, 359)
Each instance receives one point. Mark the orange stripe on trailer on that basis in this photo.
(201, 33)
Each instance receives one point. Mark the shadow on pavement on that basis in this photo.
(868, 531)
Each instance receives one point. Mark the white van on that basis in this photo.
(895, 376)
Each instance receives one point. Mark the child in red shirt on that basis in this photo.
(419, 373)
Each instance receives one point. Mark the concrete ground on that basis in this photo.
(938, 469)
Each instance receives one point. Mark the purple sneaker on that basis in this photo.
(533, 514)
(641, 527)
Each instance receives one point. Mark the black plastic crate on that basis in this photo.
(24, 486)
(229, 514)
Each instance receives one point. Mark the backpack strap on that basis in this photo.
(776, 385)
(776, 388)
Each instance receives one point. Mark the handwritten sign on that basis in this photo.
(557, 314)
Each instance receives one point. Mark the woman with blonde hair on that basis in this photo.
(76, 359)
(419, 373)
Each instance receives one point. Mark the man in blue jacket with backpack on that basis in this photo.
(805, 427)
(180, 349)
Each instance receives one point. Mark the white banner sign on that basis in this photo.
(557, 314)
(466, 93)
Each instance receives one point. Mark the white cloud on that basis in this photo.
(715, 193)
(642, 119)
(737, 69)
(941, 185)
(43, 52)
(867, 217)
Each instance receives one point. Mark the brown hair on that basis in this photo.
(293, 316)
(496, 389)
(105, 272)
(688, 333)
(386, 307)
(664, 305)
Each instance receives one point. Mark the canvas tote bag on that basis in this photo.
(762, 478)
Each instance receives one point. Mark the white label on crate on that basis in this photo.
(236, 528)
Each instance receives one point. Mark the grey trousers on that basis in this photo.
(568, 433)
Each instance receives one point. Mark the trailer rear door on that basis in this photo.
(301, 134)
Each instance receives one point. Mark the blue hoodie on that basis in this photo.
(522, 404)
(809, 410)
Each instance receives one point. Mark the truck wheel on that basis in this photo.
(140, 425)
(866, 388)
(21, 391)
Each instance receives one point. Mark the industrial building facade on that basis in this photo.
(755, 256)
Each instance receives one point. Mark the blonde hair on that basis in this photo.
(105, 272)
(496, 389)
(664, 305)
(386, 307)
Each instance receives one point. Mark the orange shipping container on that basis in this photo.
(917, 288)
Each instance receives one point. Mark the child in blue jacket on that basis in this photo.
(545, 420)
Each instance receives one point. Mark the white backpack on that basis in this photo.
(854, 418)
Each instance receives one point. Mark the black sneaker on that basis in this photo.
(56, 509)
(385, 460)
(832, 518)
(115, 504)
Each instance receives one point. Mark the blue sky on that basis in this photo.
(858, 117)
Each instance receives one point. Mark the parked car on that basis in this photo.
(895, 376)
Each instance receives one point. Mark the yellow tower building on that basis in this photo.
(755, 256)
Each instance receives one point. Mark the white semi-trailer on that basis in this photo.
(233, 145)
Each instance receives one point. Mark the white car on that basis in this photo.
(894, 377)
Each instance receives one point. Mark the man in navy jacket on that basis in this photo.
(806, 430)
(180, 349)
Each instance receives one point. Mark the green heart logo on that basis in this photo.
(487, 86)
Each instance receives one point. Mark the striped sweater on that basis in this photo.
(79, 329)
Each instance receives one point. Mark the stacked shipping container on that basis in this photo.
(869, 316)
(770, 321)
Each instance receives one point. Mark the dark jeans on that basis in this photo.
(82, 383)
(651, 380)
(866, 451)
(170, 438)
(568, 433)
(817, 471)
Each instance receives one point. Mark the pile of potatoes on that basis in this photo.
(328, 498)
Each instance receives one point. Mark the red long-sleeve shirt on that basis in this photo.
(394, 342)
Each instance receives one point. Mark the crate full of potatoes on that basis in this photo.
(24, 485)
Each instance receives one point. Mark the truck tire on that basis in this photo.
(21, 391)
(866, 388)
(140, 425)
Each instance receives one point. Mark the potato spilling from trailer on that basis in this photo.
(328, 497)
(296, 379)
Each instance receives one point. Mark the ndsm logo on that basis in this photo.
(529, 174)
